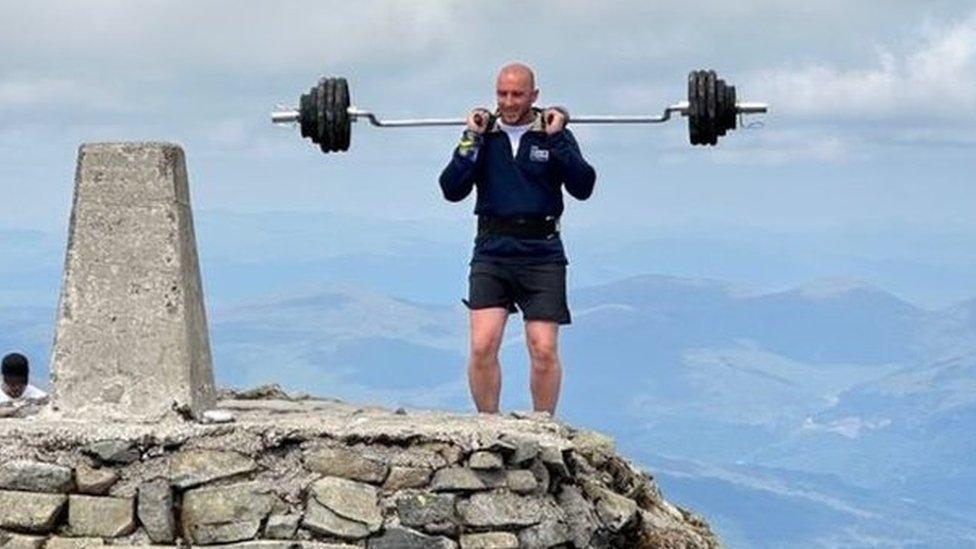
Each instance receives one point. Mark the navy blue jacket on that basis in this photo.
(528, 185)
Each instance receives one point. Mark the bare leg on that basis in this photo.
(484, 371)
(541, 337)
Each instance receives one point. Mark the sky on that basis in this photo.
(867, 145)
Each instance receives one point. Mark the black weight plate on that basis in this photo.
(692, 132)
(330, 114)
(342, 106)
(692, 107)
(320, 116)
(333, 114)
(303, 114)
(325, 137)
(711, 100)
(313, 115)
(703, 128)
(722, 97)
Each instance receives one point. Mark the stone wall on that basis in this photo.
(321, 473)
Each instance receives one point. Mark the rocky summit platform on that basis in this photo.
(266, 470)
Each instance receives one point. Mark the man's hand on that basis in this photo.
(555, 119)
(478, 120)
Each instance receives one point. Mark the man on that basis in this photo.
(16, 372)
(519, 158)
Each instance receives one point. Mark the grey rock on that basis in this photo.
(35, 476)
(425, 457)
(526, 449)
(500, 509)
(263, 544)
(615, 511)
(73, 543)
(579, 515)
(595, 447)
(30, 512)
(225, 532)
(406, 477)
(548, 533)
(552, 457)
(20, 541)
(104, 517)
(95, 482)
(500, 445)
(349, 499)
(113, 451)
(319, 519)
(155, 510)
(485, 461)
(521, 481)
(542, 477)
(287, 544)
(346, 463)
(420, 510)
(396, 537)
(195, 467)
(462, 479)
(490, 540)
(205, 509)
(282, 526)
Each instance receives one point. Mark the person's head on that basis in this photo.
(15, 374)
(516, 93)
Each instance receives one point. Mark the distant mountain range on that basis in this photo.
(837, 392)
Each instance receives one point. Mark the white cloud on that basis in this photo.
(936, 77)
(774, 146)
(28, 92)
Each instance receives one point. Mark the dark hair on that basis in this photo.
(15, 365)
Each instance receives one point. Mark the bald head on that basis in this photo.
(518, 71)
(516, 93)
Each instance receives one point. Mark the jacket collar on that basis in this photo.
(538, 124)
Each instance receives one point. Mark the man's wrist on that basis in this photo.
(470, 143)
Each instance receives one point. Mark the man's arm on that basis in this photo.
(459, 176)
(578, 176)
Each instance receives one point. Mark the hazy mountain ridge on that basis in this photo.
(799, 382)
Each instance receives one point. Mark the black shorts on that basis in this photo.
(538, 290)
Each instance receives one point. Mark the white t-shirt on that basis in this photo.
(29, 392)
(515, 134)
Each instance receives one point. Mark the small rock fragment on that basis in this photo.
(95, 482)
(282, 526)
(406, 477)
(490, 540)
(485, 461)
(113, 451)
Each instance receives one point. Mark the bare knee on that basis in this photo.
(484, 353)
(544, 355)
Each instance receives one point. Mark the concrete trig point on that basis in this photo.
(132, 341)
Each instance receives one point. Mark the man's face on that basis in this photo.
(14, 386)
(516, 96)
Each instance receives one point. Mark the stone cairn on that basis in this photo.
(147, 463)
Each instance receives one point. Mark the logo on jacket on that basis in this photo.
(538, 155)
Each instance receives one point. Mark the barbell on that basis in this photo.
(325, 114)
